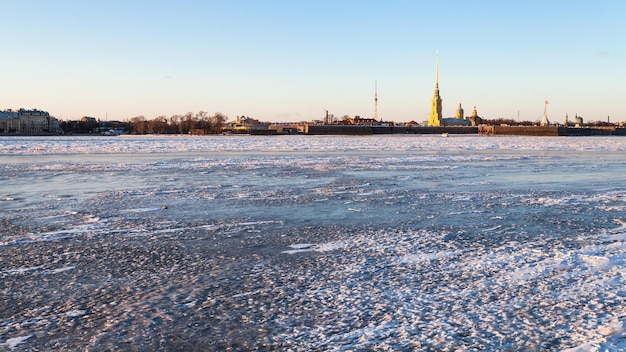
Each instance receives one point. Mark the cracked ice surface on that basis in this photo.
(322, 243)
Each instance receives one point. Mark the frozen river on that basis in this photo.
(313, 243)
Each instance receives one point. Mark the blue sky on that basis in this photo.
(291, 60)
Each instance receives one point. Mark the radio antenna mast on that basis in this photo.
(376, 100)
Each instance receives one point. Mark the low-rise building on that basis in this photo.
(244, 124)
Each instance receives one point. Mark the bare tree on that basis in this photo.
(218, 120)
(139, 124)
(182, 124)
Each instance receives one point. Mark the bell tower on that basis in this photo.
(460, 115)
(435, 112)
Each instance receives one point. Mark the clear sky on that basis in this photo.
(291, 60)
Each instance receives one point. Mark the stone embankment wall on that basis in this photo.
(519, 130)
(442, 129)
(338, 129)
(589, 131)
(552, 131)
(367, 130)
(487, 130)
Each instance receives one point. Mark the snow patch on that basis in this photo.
(423, 257)
(75, 313)
(310, 247)
(14, 341)
(60, 270)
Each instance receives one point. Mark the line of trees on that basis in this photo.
(198, 123)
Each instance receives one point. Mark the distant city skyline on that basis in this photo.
(283, 61)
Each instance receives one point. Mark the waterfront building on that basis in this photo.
(358, 120)
(33, 121)
(9, 121)
(245, 124)
(27, 122)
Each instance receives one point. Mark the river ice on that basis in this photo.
(312, 243)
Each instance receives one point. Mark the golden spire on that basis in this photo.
(435, 113)
(437, 69)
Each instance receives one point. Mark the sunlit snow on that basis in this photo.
(310, 243)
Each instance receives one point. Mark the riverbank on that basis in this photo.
(486, 130)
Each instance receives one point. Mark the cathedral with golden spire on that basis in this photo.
(435, 112)
(436, 117)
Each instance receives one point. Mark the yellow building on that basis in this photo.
(436, 118)
(435, 112)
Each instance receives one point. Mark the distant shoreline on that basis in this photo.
(362, 130)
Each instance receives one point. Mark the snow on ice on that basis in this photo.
(313, 243)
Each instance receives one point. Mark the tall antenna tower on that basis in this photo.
(376, 100)
(544, 120)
